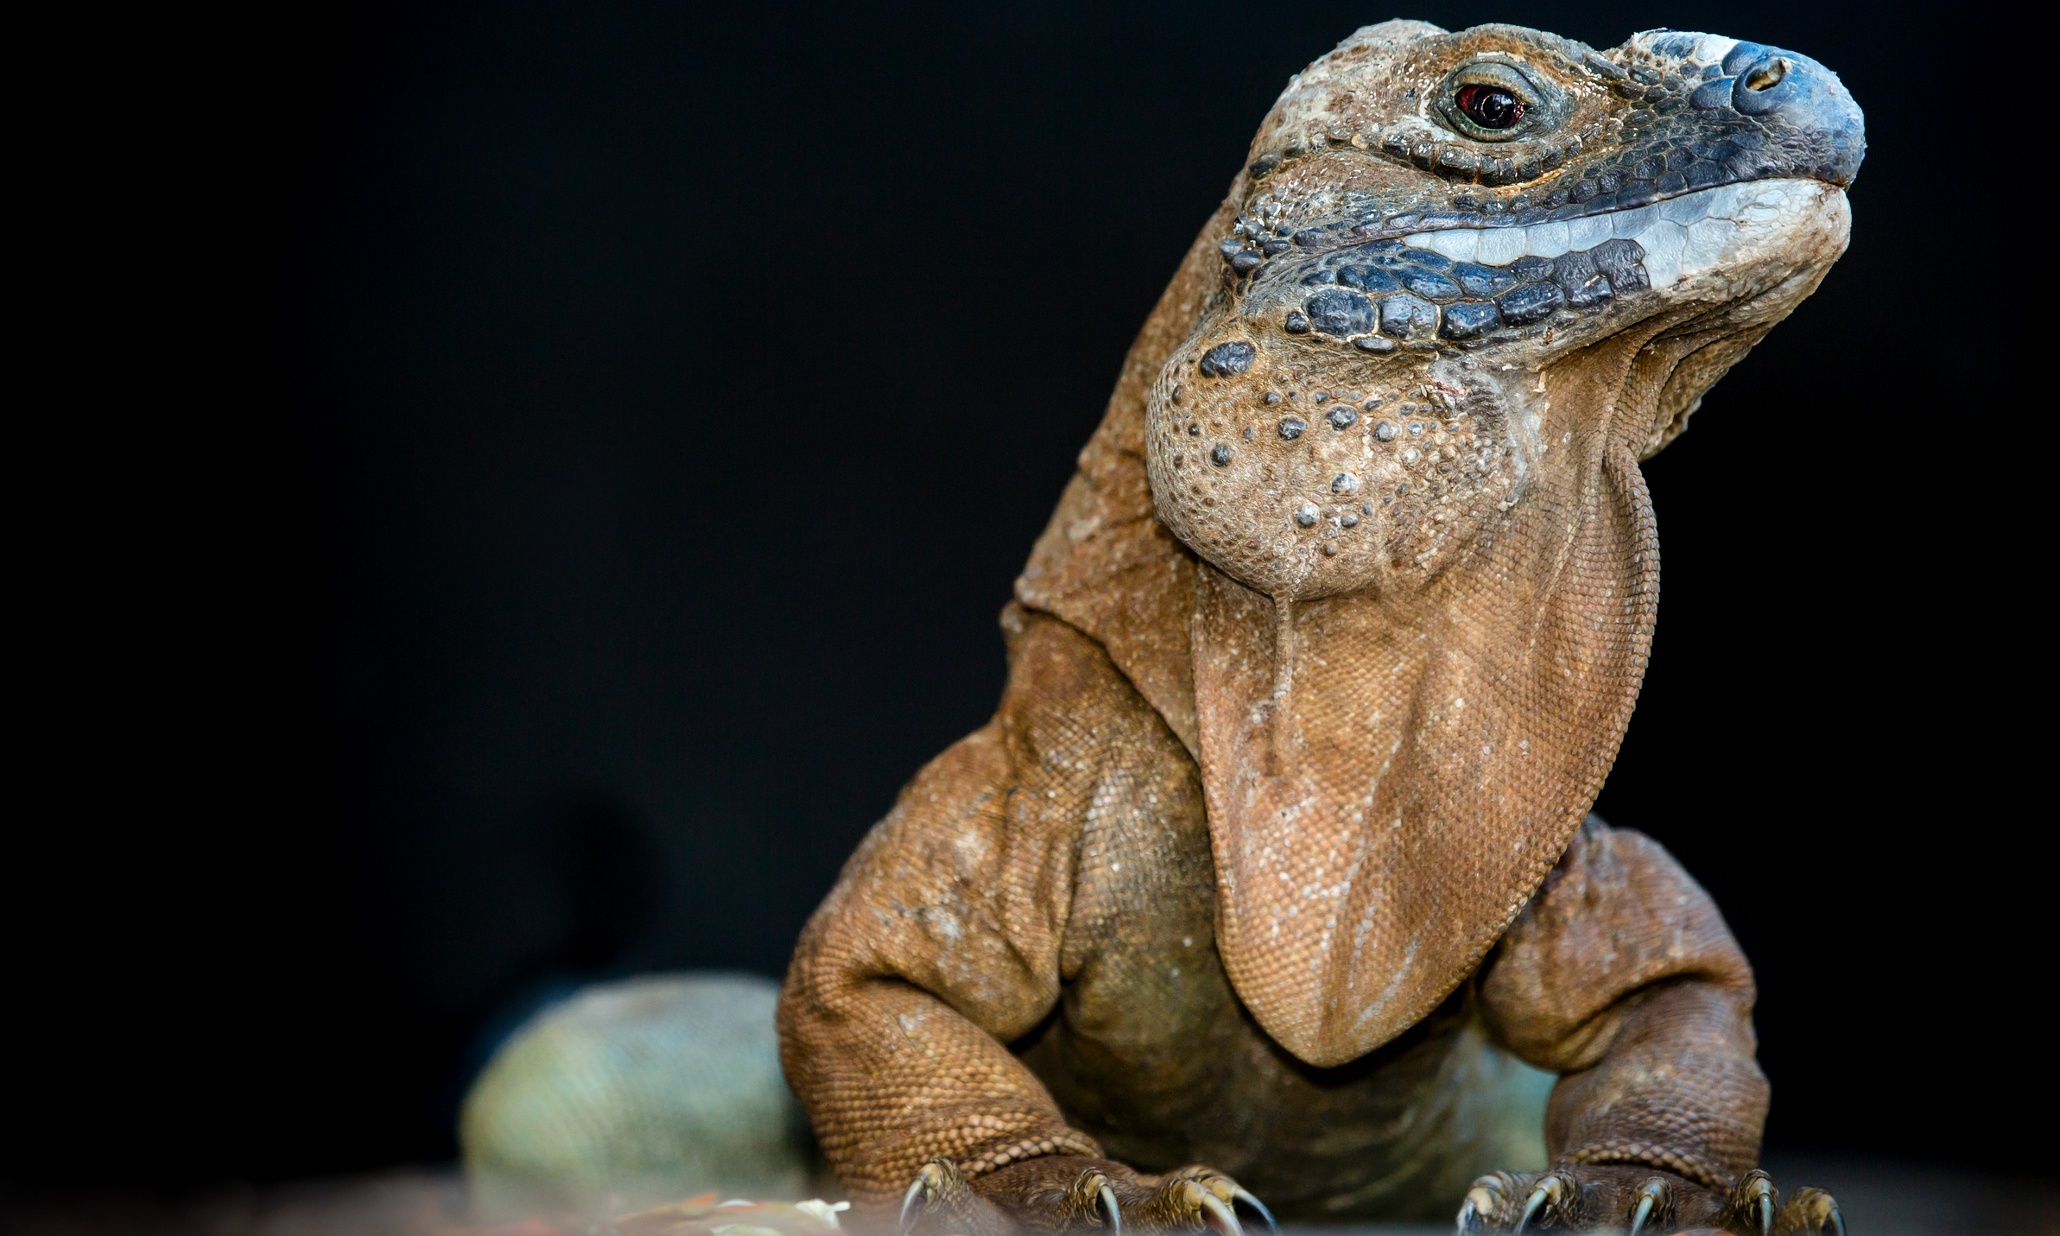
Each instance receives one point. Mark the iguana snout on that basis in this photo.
(1430, 221)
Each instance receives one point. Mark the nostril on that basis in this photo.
(1769, 82)
(1769, 75)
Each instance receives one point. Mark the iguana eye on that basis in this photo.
(1491, 101)
(1490, 107)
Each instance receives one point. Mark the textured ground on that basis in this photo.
(1879, 1199)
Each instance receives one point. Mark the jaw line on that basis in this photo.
(1727, 243)
(1683, 236)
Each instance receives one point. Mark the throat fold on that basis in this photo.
(1281, 738)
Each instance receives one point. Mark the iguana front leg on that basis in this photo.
(941, 944)
(1622, 977)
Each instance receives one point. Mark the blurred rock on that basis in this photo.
(636, 1093)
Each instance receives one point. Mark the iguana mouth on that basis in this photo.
(1467, 284)
(1671, 232)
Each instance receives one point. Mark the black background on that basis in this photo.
(523, 486)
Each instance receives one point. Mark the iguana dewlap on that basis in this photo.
(1276, 839)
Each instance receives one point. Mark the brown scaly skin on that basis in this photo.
(1276, 843)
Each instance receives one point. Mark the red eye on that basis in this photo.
(1490, 107)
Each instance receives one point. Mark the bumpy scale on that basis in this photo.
(1273, 856)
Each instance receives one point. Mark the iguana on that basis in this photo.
(1281, 829)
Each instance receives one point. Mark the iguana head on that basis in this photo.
(1431, 228)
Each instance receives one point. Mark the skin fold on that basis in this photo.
(1277, 850)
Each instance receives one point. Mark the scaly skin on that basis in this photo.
(1276, 841)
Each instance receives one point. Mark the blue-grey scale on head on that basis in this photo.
(1445, 213)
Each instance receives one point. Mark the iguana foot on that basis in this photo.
(1073, 1193)
(1641, 1201)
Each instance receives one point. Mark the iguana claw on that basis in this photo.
(1484, 1203)
(1811, 1212)
(1242, 1194)
(1107, 1197)
(1092, 1196)
(1654, 1198)
(1551, 1194)
(1752, 1203)
(1473, 1212)
(916, 1189)
(939, 1199)
(1220, 1216)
